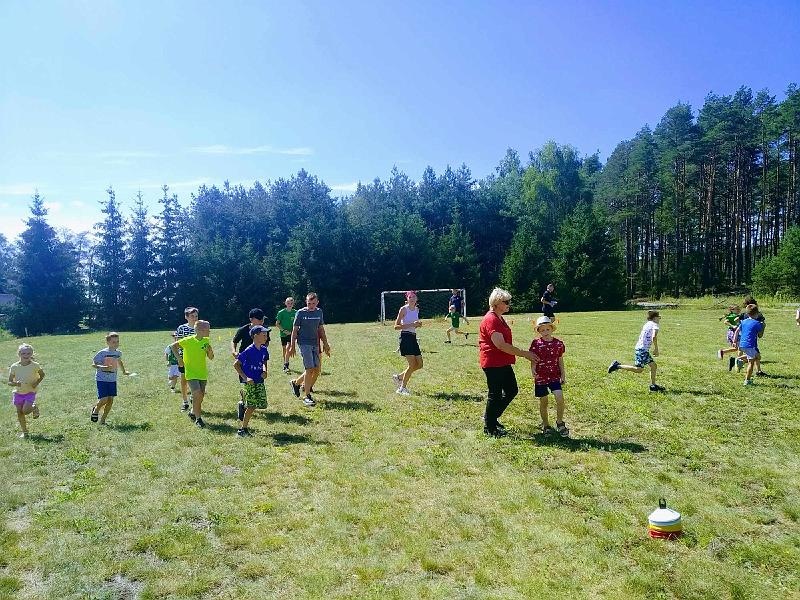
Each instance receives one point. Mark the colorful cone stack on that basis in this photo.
(664, 523)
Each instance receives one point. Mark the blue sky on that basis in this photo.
(139, 94)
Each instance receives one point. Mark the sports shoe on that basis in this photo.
(403, 391)
(547, 430)
(243, 432)
(495, 433)
(448, 342)
(398, 382)
(739, 365)
(35, 411)
(562, 429)
(719, 354)
(295, 388)
(192, 417)
(731, 363)
(24, 435)
(309, 401)
(613, 366)
(758, 373)
(200, 423)
(748, 382)
(286, 368)
(240, 410)
(172, 389)
(656, 388)
(185, 407)
(94, 416)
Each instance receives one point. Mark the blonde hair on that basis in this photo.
(112, 334)
(497, 296)
(23, 347)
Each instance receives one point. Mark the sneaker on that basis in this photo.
(24, 435)
(719, 354)
(200, 423)
(739, 365)
(309, 401)
(748, 382)
(731, 363)
(613, 366)
(656, 388)
(403, 391)
(501, 427)
(241, 432)
(35, 411)
(758, 373)
(240, 410)
(192, 417)
(185, 407)
(398, 382)
(172, 389)
(547, 430)
(286, 369)
(295, 388)
(94, 416)
(448, 342)
(562, 429)
(495, 433)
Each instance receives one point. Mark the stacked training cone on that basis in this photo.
(664, 523)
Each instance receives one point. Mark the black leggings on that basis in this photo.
(502, 390)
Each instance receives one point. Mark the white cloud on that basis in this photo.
(53, 207)
(345, 187)
(18, 189)
(77, 204)
(230, 150)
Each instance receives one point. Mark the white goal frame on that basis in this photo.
(383, 299)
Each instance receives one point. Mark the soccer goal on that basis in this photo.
(419, 295)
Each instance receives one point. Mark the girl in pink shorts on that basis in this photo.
(25, 376)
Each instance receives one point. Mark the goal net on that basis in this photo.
(435, 303)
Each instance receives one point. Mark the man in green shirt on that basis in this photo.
(284, 321)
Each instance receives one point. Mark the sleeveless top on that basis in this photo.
(412, 314)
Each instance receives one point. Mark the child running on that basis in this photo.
(732, 319)
(191, 314)
(642, 357)
(172, 366)
(548, 374)
(24, 376)
(196, 348)
(742, 357)
(251, 365)
(455, 317)
(747, 334)
(407, 323)
(284, 321)
(106, 363)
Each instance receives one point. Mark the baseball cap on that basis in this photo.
(254, 331)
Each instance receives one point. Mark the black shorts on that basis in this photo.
(285, 339)
(540, 390)
(409, 345)
(181, 369)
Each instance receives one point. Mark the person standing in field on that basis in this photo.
(307, 331)
(191, 314)
(549, 302)
(284, 321)
(407, 323)
(549, 374)
(106, 363)
(496, 356)
(456, 300)
(196, 349)
(641, 354)
(24, 376)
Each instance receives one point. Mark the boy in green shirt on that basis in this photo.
(284, 321)
(195, 349)
(454, 322)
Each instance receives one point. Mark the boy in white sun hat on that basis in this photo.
(548, 374)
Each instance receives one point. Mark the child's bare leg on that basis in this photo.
(106, 409)
(543, 410)
(100, 404)
(173, 381)
(653, 368)
(27, 408)
(631, 368)
(559, 406)
(184, 387)
(449, 329)
(751, 362)
(21, 418)
(197, 402)
(247, 414)
(414, 364)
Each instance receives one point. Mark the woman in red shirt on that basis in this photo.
(496, 355)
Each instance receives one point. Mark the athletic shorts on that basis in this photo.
(540, 390)
(730, 336)
(255, 395)
(642, 357)
(106, 389)
(409, 345)
(750, 353)
(310, 354)
(21, 399)
(285, 339)
(197, 384)
(173, 371)
(181, 369)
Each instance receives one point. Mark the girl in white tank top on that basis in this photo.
(406, 323)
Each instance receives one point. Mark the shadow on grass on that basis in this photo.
(777, 376)
(584, 444)
(687, 391)
(285, 439)
(456, 397)
(271, 417)
(220, 428)
(46, 439)
(350, 405)
(338, 393)
(127, 427)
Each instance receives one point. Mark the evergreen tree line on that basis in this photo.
(690, 207)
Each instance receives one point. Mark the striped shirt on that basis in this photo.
(183, 331)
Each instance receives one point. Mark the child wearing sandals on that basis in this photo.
(548, 374)
(105, 363)
(24, 376)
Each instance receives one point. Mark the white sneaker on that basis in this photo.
(398, 382)
(403, 391)
(719, 354)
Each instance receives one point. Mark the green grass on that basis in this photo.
(372, 495)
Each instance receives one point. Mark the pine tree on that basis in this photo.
(139, 281)
(49, 293)
(108, 277)
(173, 273)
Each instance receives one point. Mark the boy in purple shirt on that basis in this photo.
(251, 365)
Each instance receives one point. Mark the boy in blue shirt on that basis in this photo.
(747, 334)
(251, 365)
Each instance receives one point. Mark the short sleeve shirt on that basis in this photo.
(748, 333)
(549, 297)
(285, 319)
(309, 322)
(455, 300)
(732, 320)
(252, 360)
(194, 356)
(242, 337)
(171, 358)
(26, 375)
(646, 336)
(109, 358)
(490, 355)
(455, 318)
(548, 353)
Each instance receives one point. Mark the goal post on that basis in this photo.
(419, 292)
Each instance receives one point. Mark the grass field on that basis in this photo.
(373, 495)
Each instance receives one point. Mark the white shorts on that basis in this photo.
(750, 353)
(173, 371)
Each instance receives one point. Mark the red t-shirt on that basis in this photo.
(490, 355)
(548, 354)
